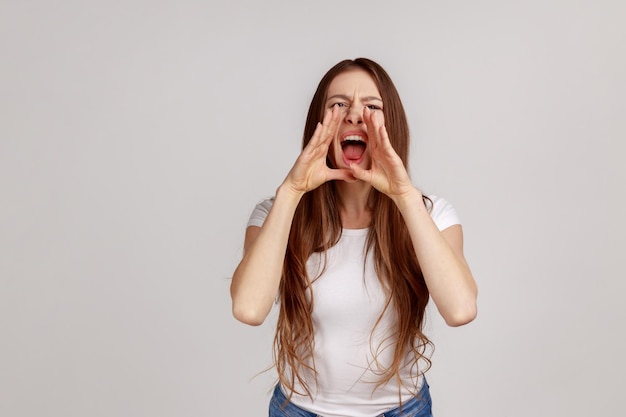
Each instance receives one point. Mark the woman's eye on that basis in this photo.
(340, 105)
(374, 107)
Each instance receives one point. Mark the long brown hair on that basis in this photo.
(317, 227)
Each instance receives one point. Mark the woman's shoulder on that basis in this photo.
(442, 211)
(260, 211)
(266, 202)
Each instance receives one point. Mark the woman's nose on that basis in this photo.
(354, 115)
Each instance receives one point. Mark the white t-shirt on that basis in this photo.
(348, 299)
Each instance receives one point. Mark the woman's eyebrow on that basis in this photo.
(348, 98)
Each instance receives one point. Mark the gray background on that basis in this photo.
(136, 136)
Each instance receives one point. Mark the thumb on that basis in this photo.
(341, 174)
(360, 173)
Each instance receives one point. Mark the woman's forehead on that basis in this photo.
(353, 81)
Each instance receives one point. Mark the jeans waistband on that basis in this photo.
(418, 406)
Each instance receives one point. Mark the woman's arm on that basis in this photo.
(257, 277)
(440, 255)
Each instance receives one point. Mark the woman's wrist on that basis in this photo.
(410, 200)
(287, 191)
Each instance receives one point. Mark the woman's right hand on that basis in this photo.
(310, 169)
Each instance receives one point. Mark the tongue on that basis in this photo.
(353, 152)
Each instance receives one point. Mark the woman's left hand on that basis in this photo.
(387, 172)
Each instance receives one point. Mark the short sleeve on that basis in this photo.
(258, 215)
(443, 213)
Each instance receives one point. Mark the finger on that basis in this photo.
(384, 137)
(340, 174)
(379, 137)
(325, 130)
(321, 133)
(372, 125)
(361, 174)
(371, 117)
(328, 115)
(331, 124)
(315, 140)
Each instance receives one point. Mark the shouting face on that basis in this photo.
(352, 91)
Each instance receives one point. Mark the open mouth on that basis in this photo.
(353, 148)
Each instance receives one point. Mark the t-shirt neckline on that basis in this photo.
(355, 232)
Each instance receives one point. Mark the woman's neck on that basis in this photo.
(354, 205)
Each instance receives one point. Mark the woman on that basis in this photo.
(351, 250)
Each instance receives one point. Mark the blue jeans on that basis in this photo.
(419, 406)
